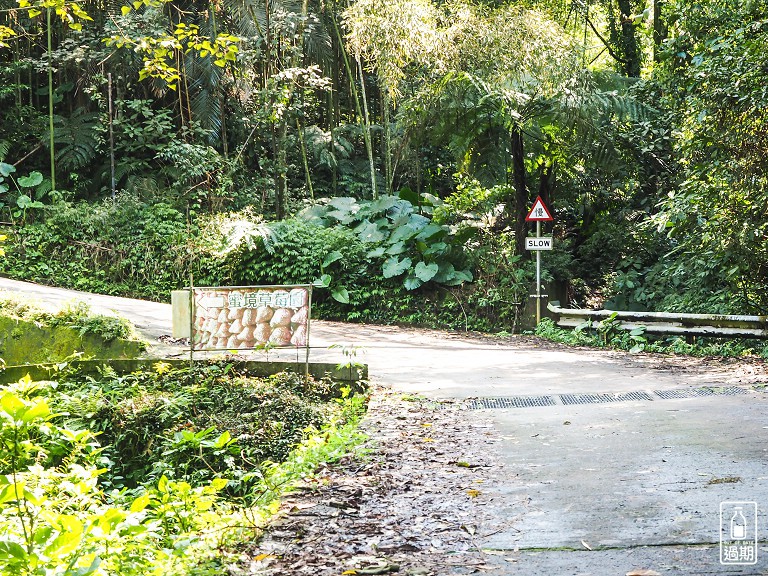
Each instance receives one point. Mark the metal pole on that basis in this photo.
(538, 276)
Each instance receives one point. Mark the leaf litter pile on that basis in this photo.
(412, 504)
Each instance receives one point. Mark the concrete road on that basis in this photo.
(586, 489)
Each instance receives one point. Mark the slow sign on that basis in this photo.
(541, 243)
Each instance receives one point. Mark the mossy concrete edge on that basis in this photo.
(49, 371)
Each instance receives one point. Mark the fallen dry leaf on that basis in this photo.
(411, 502)
(643, 572)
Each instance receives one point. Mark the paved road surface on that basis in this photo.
(639, 481)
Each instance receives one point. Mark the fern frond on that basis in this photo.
(4, 147)
(78, 138)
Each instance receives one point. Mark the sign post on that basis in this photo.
(538, 213)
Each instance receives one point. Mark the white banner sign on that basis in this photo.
(543, 243)
(250, 317)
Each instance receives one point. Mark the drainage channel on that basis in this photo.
(576, 399)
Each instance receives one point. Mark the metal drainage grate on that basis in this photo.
(699, 392)
(511, 402)
(569, 399)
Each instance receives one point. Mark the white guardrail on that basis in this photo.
(713, 325)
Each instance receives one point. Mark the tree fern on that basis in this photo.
(77, 138)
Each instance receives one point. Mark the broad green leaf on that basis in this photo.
(30, 181)
(409, 195)
(315, 213)
(397, 248)
(430, 199)
(445, 272)
(69, 538)
(12, 405)
(12, 492)
(40, 410)
(402, 233)
(341, 295)
(430, 231)
(11, 550)
(140, 503)
(125, 10)
(219, 483)
(323, 282)
(345, 209)
(377, 252)
(412, 282)
(369, 232)
(438, 248)
(382, 204)
(42, 534)
(425, 272)
(332, 257)
(7, 169)
(223, 439)
(394, 266)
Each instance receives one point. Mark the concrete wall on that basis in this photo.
(24, 342)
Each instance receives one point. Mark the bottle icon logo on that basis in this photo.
(738, 525)
(738, 533)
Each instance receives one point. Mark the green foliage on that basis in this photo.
(22, 193)
(713, 82)
(126, 247)
(196, 425)
(78, 139)
(400, 235)
(57, 518)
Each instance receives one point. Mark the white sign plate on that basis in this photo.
(543, 243)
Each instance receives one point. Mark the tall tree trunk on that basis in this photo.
(50, 99)
(659, 34)
(362, 115)
(305, 160)
(629, 46)
(281, 177)
(367, 130)
(521, 190)
(385, 103)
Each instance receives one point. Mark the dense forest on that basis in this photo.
(389, 150)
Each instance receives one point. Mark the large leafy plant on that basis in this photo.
(401, 236)
(28, 190)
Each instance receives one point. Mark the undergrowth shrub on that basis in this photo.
(126, 246)
(58, 516)
(195, 424)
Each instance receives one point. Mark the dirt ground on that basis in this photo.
(413, 502)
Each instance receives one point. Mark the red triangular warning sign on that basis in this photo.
(539, 212)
